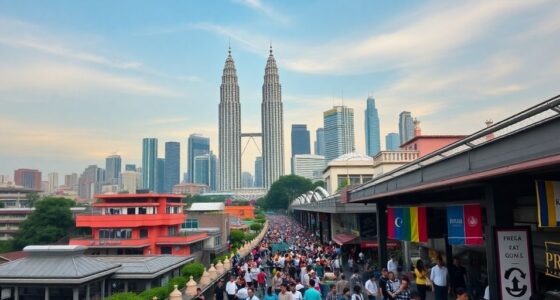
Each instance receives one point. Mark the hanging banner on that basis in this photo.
(552, 259)
(548, 203)
(514, 263)
(407, 224)
(464, 225)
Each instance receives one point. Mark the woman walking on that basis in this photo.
(422, 279)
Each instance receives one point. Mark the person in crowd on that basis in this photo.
(296, 294)
(242, 293)
(277, 281)
(371, 288)
(231, 288)
(251, 293)
(438, 276)
(422, 279)
(219, 290)
(270, 295)
(198, 295)
(261, 281)
(355, 279)
(393, 265)
(284, 293)
(403, 292)
(357, 294)
(341, 284)
(457, 276)
(311, 293)
(393, 285)
(346, 294)
(383, 283)
(331, 295)
(461, 294)
(486, 293)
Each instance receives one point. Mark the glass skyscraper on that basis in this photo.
(172, 166)
(130, 167)
(373, 143)
(392, 142)
(149, 161)
(406, 127)
(197, 146)
(160, 175)
(300, 139)
(320, 141)
(258, 171)
(112, 169)
(339, 131)
(205, 170)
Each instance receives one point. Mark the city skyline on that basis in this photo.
(443, 74)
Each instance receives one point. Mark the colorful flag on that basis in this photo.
(407, 224)
(464, 225)
(548, 203)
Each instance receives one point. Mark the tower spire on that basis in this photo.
(270, 47)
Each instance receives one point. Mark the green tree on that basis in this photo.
(32, 199)
(343, 184)
(125, 296)
(319, 183)
(285, 190)
(193, 269)
(51, 221)
(256, 227)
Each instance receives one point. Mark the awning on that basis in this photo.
(373, 244)
(344, 238)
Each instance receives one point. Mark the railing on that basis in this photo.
(395, 157)
(84, 241)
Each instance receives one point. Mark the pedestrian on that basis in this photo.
(296, 294)
(331, 295)
(461, 294)
(270, 295)
(251, 293)
(231, 288)
(311, 293)
(371, 288)
(277, 281)
(357, 295)
(438, 276)
(422, 280)
(198, 295)
(403, 292)
(393, 285)
(242, 293)
(219, 290)
(457, 276)
(261, 281)
(341, 284)
(393, 265)
(383, 283)
(284, 293)
(355, 279)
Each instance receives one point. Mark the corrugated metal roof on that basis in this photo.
(145, 266)
(207, 206)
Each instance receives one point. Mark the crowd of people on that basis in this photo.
(292, 264)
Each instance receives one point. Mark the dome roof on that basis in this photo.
(353, 156)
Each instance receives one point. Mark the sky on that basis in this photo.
(81, 80)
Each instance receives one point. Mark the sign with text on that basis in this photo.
(514, 263)
(552, 259)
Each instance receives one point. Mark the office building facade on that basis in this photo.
(406, 126)
(28, 178)
(309, 166)
(373, 140)
(338, 124)
(172, 166)
(392, 141)
(197, 145)
(320, 141)
(149, 163)
(258, 171)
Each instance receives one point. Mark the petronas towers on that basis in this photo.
(230, 126)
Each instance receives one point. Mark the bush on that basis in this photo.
(193, 269)
(236, 236)
(260, 216)
(160, 292)
(256, 227)
(125, 296)
(180, 281)
(219, 258)
(260, 221)
(250, 236)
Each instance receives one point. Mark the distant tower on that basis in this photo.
(320, 141)
(406, 127)
(272, 124)
(258, 171)
(300, 141)
(338, 123)
(392, 142)
(160, 175)
(197, 145)
(229, 129)
(172, 166)
(149, 163)
(373, 144)
(113, 169)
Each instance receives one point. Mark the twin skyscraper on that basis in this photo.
(272, 125)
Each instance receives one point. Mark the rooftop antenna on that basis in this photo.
(229, 46)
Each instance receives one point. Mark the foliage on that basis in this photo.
(125, 296)
(260, 221)
(343, 184)
(250, 236)
(259, 215)
(32, 199)
(160, 292)
(236, 235)
(284, 190)
(180, 281)
(6, 246)
(50, 221)
(319, 183)
(193, 269)
(219, 258)
(256, 226)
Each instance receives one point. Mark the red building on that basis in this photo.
(146, 224)
(426, 144)
(28, 178)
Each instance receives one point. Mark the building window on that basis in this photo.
(190, 224)
(217, 241)
(131, 211)
(115, 234)
(366, 178)
(143, 233)
(166, 250)
(171, 230)
(142, 210)
(196, 247)
(172, 209)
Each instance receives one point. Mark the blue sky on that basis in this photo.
(80, 80)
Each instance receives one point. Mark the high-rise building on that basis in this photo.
(197, 145)
(338, 123)
(309, 166)
(172, 166)
(90, 182)
(129, 181)
(320, 141)
(300, 139)
(272, 124)
(28, 178)
(71, 181)
(160, 175)
(373, 143)
(130, 167)
(406, 127)
(258, 171)
(392, 141)
(246, 180)
(149, 163)
(229, 129)
(205, 170)
(52, 182)
(113, 169)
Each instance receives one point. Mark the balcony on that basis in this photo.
(121, 221)
(394, 157)
(181, 239)
(112, 243)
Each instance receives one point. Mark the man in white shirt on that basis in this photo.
(296, 294)
(371, 288)
(393, 266)
(242, 293)
(231, 288)
(438, 276)
(251, 294)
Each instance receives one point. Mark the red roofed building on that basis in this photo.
(145, 224)
(426, 144)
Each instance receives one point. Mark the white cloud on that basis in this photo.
(267, 11)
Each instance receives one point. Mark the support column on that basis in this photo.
(76, 293)
(381, 208)
(16, 293)
(46, 293)
(103, 289)
(126, 286)
(88, 291)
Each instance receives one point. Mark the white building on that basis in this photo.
(52, 183)
(353, 167)
(309, 166)
(130, 181)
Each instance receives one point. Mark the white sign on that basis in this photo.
(514, 264)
